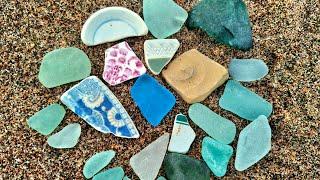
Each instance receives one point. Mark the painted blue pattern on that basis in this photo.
(96, 104)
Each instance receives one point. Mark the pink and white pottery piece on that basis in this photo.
(121, 64)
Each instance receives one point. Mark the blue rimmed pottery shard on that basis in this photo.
(182, 135)
(163, 17)
(153, 99)
(111, 24)
(97, 105)
(253, 144)
(244, 102)
(227, 21)
(247, 70)
(159, 52)
(216, 155)
(214, 125)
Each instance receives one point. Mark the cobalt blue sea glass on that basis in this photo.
(153, 100)
(96, 104)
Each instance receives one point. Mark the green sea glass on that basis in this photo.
(253, 144)
(47, 119)
(64, 65)
(116, 173)
(97, 162)
(216, 155)
(227, 21)
(179, 166)
(66, 138)
(163, 17)
(214, 125)
(244, 102)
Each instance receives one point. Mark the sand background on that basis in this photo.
(286, 36)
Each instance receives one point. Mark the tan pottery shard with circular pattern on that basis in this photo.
(194, 76)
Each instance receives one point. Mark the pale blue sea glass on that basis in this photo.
(97, 162)
(66, 138)
(253, 144)
(243, 102)
(214, 125)
(116, 173)
(247, 69)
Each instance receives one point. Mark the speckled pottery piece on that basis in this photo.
(121, 64)
(112, 24)
(97, 105)
(159, 52)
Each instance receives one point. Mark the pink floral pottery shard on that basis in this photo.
(121, 64)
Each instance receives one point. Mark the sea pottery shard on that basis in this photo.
(111, 24)
(97, 162)
(62, 66)
(247, 70)
(216, 155)
(146, 164)
(121, 64)
(47, 119)
(179, 166)
(163, 17)
(159, 52)
(98, 106)
(227, 21)
(153, 99)
(66, 138)
(194, 76)
(182, 135)
(219, 128)
(243, 102)
(253, 144)
(115, 173)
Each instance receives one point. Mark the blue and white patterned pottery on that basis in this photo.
(97, 105)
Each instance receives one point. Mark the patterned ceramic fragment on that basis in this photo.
(159, 52)
(62, 66)
(247, 69)
(243, 102)
(47, 119)
(182, 135)
(214, 125)
(97, 105)
(153, 99)
(163, 17)
(116, 173)
(121, 64)
(253, 144)
(146, 164)
(66, 138)
(97, 162)
(216, 155)
(112, 24)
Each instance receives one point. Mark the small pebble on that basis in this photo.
(194, 76)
